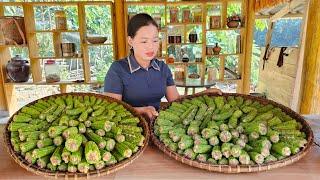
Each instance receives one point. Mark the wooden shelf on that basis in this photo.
(55, 31)
(56, 83)
(184, 44)
(219, 55)
(57, 58)
(98, 44)
(225, 29)
(184, 63)
(184, 24)
(12, 45)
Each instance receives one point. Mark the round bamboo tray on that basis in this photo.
(239, 168)
(96, 173)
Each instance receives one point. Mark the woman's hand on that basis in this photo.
(148, 111)
(212, 90)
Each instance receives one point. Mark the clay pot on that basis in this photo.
(233, 24)
(18, 70)
(216, 49)
(193, 38)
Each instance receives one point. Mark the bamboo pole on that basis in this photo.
(311, 91)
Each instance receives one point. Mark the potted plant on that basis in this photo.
(234, 21)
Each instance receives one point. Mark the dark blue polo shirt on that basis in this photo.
(138, 86)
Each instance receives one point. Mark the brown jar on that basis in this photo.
(18, 69)
(216, 49)
(193, 37)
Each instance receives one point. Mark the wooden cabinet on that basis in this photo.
(44, 41)
(207, 19)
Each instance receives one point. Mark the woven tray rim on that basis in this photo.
(239, 168)
(96, 173)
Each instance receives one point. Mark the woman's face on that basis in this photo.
(145, 43)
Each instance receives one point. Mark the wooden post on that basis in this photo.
(8, 101)
(311, 91)
(63, 88)
(246, 68)
(3, 104)
(120, 30)
(204, 43)
(29, 21)
(300, 77)
(224, 7)
(57, 40)
(222, 66)
(83, 42)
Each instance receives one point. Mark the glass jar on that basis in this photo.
(212, 74)
(197, 15)
(179, 74)
(170, 59)
(185, 58)
(174, 15)
(215, 22)
(52, 71)
(186, 15)
(198, 56)
(61, 20)
(209, 50)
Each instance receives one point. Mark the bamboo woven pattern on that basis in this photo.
(96, 173)
(239, 168)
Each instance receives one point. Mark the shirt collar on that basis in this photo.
(134, 66)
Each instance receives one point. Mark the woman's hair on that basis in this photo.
(138, 21)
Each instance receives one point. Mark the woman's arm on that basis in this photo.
(172, 93)
(148, 111)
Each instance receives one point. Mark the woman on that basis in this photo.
(140, 79)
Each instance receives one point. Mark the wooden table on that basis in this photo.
(153, 164)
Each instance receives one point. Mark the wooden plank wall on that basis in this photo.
(278, 82)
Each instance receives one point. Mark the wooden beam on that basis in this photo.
(311, 89)
(120, 24)
(286, 9)
(289, 15)
(29, 21)
(8, 101)
(224, 8)
(85, 51)
(246, 70)
(300, 73)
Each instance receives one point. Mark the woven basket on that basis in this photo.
(13, 30)
(96, 173)
(239, 168)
